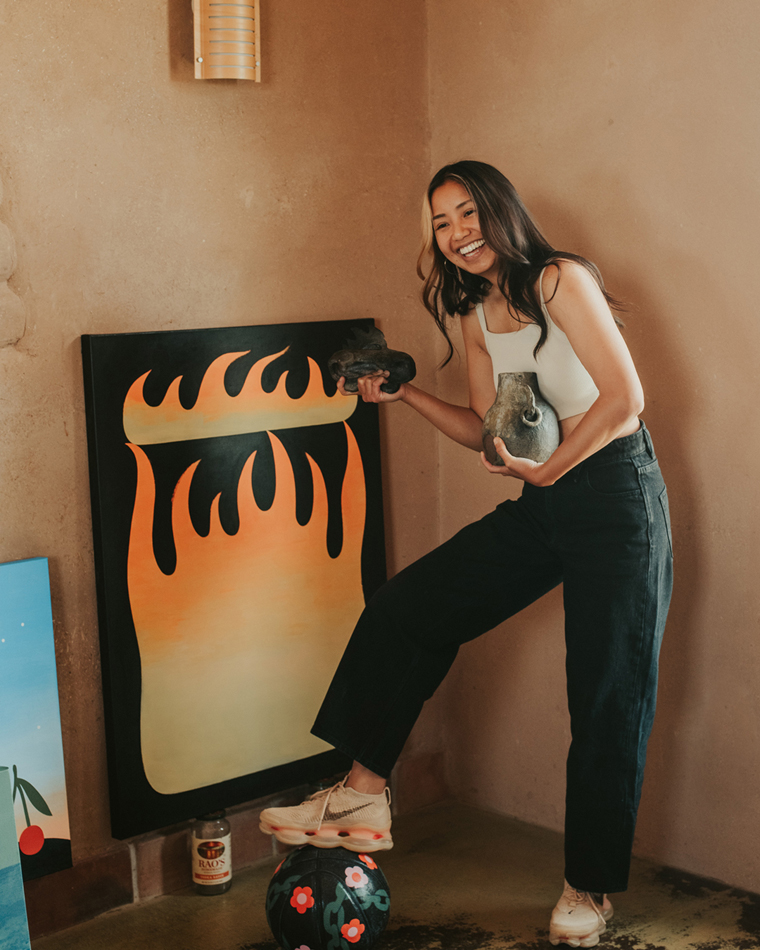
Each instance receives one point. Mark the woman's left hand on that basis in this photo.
(526, 469)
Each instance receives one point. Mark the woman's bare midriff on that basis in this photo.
(566, 426)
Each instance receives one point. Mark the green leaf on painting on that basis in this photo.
(34, 797)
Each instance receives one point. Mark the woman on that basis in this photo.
(593, 516)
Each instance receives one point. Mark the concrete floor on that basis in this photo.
(460, 880)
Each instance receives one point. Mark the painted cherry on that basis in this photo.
(31, 839)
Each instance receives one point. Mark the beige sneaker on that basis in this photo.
(578, 920)
(337, 817)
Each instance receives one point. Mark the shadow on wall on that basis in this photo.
(180, 36)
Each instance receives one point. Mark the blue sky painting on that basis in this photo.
(30, 738)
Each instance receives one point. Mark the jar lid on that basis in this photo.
(212, 815)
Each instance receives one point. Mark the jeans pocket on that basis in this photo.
(615, 479)
(666, 514)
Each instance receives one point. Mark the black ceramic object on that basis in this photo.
(523, 418)
(367, 355)
(327, 899)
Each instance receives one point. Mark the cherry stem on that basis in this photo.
(17, 787)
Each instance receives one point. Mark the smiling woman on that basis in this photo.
(592, 515)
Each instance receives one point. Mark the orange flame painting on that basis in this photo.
(240, 615)
(237, 526)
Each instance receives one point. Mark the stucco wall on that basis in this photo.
(632, 132)
(142, 199)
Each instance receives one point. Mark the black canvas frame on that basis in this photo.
(111, 363)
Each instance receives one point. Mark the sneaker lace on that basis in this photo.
(575, 897)
(324, 793)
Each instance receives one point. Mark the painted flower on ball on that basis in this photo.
(352, 930)
(355, 877)
(303, 947)
(302, 899)
(368, 861)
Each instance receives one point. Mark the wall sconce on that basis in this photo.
(227, 40)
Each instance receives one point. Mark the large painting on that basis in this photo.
(237, 522)
(31, 746)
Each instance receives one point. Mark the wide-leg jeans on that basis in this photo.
(603, 530)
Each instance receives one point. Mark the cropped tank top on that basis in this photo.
(564, 381)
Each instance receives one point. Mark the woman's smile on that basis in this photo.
(470, 250)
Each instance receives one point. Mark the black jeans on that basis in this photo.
(602, 529)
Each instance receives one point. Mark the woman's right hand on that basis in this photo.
(369, 388)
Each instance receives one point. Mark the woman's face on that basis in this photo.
(457, 231)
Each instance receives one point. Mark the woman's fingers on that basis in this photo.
(502, 451)
(526, 469)
(494, 469)
(369, 387)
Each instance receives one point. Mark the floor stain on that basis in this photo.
(750, 916)
(682, 884)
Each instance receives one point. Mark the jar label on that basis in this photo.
(212, 860)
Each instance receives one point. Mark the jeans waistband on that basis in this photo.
(629, 446)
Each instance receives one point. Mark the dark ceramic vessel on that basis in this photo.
(368, 355)
(523, 418)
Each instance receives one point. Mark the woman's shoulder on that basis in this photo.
(472, 326)
(562, 271)
(473, 315)
(565, 279)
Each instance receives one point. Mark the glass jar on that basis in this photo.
(211, 854)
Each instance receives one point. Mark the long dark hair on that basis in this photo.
(509, 230)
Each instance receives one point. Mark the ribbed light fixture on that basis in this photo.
(227, 40)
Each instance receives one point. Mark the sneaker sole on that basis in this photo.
(574, 940)
(360, 840)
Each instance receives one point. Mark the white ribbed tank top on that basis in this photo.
(563, 380)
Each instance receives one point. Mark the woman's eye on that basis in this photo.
(469, 212)
(441, 225)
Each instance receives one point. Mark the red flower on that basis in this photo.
(368, 861)
(352, 930)
(302, 899)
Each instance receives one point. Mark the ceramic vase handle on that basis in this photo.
(533, 416)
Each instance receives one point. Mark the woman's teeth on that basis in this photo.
(471, 248)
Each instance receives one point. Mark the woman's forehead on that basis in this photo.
(448, 197)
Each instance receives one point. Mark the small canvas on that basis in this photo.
(31, 747)
(14, 930)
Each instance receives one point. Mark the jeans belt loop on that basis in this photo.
(648, 440)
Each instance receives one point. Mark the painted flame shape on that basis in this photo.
(238, 645)
(216, 413)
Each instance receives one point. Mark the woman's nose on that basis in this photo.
(460, 229)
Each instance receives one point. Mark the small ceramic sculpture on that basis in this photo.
(368, 356)
(523, 418)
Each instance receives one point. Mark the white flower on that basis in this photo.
(355, 877)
